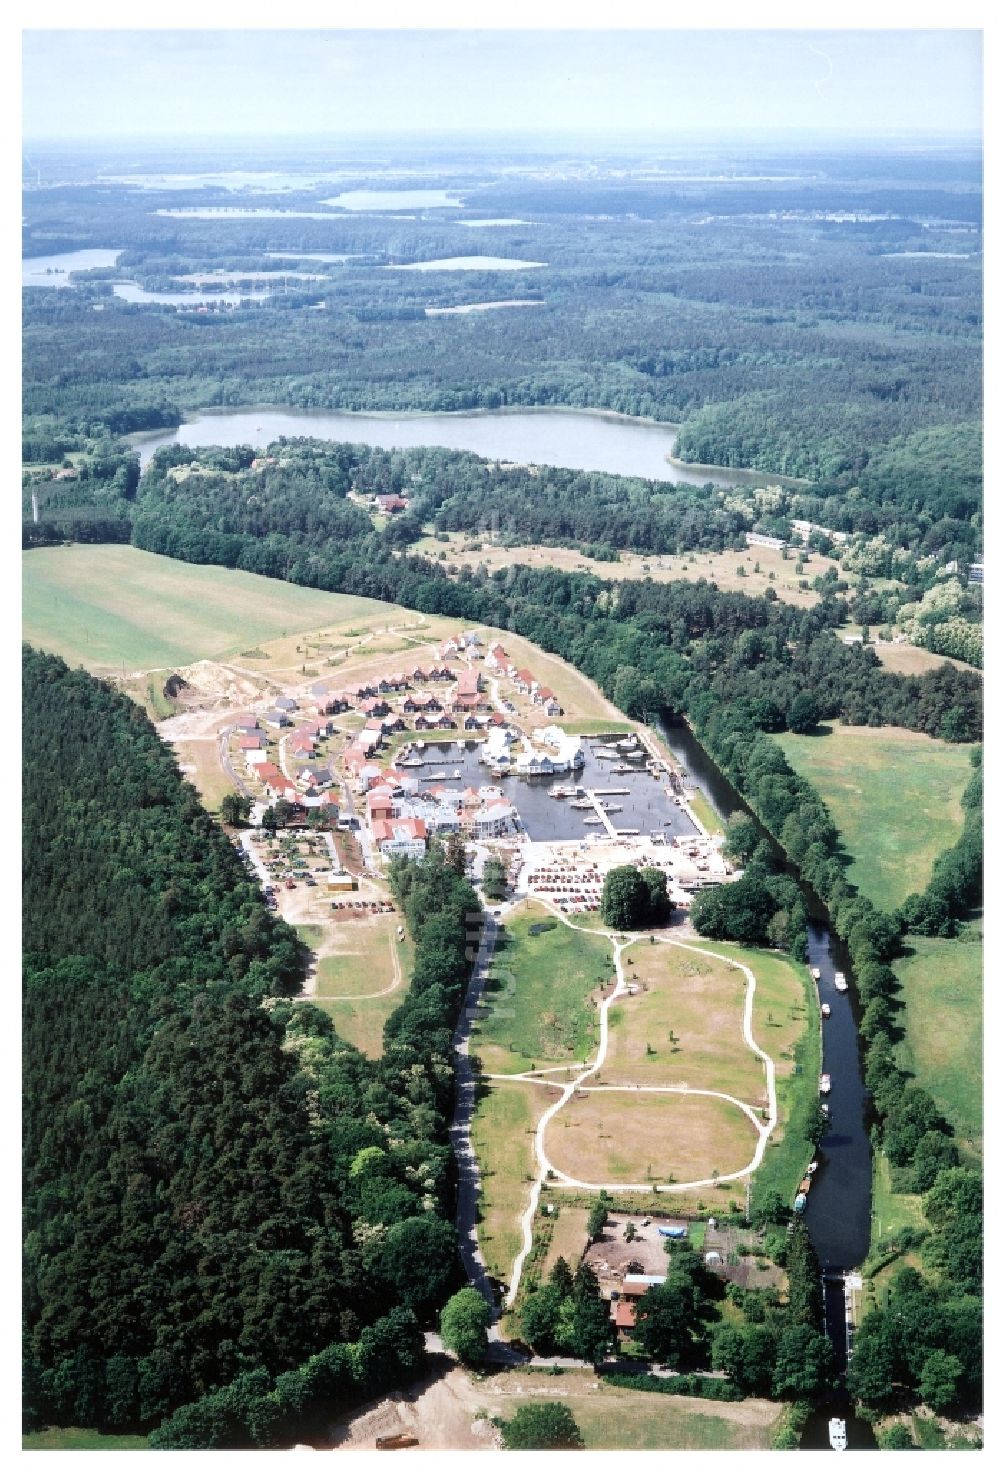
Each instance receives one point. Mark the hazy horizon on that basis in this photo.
(227, 86)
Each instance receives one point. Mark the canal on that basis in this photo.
(838, 1215)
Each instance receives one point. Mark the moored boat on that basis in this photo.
(838, 1434)
(824, 1009)
(840, 982)
(814, 972)
(824, 1084)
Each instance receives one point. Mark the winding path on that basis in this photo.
(546, 1169)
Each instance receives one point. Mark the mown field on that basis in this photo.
(102, 606)
(79, 1439)
(540, 994)
(685, 1026)
(625, 1137)
(942, 988)
(895, 797)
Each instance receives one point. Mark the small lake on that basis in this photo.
(373, 201)
(306, 255)
(189, 299)
(471, 262)
(54, 270)
(564, 438)
(479, 306)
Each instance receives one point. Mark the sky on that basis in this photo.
(140, 84)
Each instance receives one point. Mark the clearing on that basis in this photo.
(451, 1413)
(105, 606)
(645, 1138)
(731, 570)
(942, 988)
(894, 796)
(540, 994)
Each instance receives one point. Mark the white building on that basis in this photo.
(496, 818)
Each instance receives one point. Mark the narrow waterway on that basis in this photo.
(838, 1214)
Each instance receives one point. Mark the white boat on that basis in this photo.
(814, 973)
(606, 754)
(824, 1009)
(840, 982)
(838, 1434)
(825, 1109)
(812, 1168)
(824, 1085)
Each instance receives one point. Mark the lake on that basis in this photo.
(54, 270)
(563, 438)
(366, 201)
(126, 290)
(471, 262)
(478, 306)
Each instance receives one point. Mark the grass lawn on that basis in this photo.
(79, 1439)
(623, 1137)
(105, 605)
(698, 999)
(942, 986)
(902, 657)
(503, 1128)
(893, 795)
(539, 994)
(611, 1418)
(786, 1023)
(705, 813)
(569, 1238)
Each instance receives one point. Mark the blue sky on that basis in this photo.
(135, 84)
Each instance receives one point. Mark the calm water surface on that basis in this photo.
(561, 439)
(54, 270)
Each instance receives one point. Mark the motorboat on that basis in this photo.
(840, 982)
(824, 1085)
(825, 1109)
(814, 972)
(838, 1434)
(799, 1205)
(824, 1009)
(812, 1168)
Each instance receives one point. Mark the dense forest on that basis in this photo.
(816, 329)
(216, 1187)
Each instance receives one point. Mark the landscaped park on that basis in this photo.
(698, 1044)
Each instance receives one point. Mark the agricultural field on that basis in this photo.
(503, 1129)
(895, 797)
(685, 1026)
(902, 657)
(109, 606)
(752, 570)
(625, 1138)
(942, 988)
(540, 994)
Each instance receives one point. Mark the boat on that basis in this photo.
(824, 1009)
(799, 1205)
(840, 982)
(814, 972)
(606, 754)
(593, 820)
(580, 805)
(825, 1109)
(838, 1434)
(824, 1085)
(812, 1168)
(804, 1186)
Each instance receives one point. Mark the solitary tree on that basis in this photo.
(464, 1322)
(544, 1426)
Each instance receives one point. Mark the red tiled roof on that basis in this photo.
(624, 1315)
